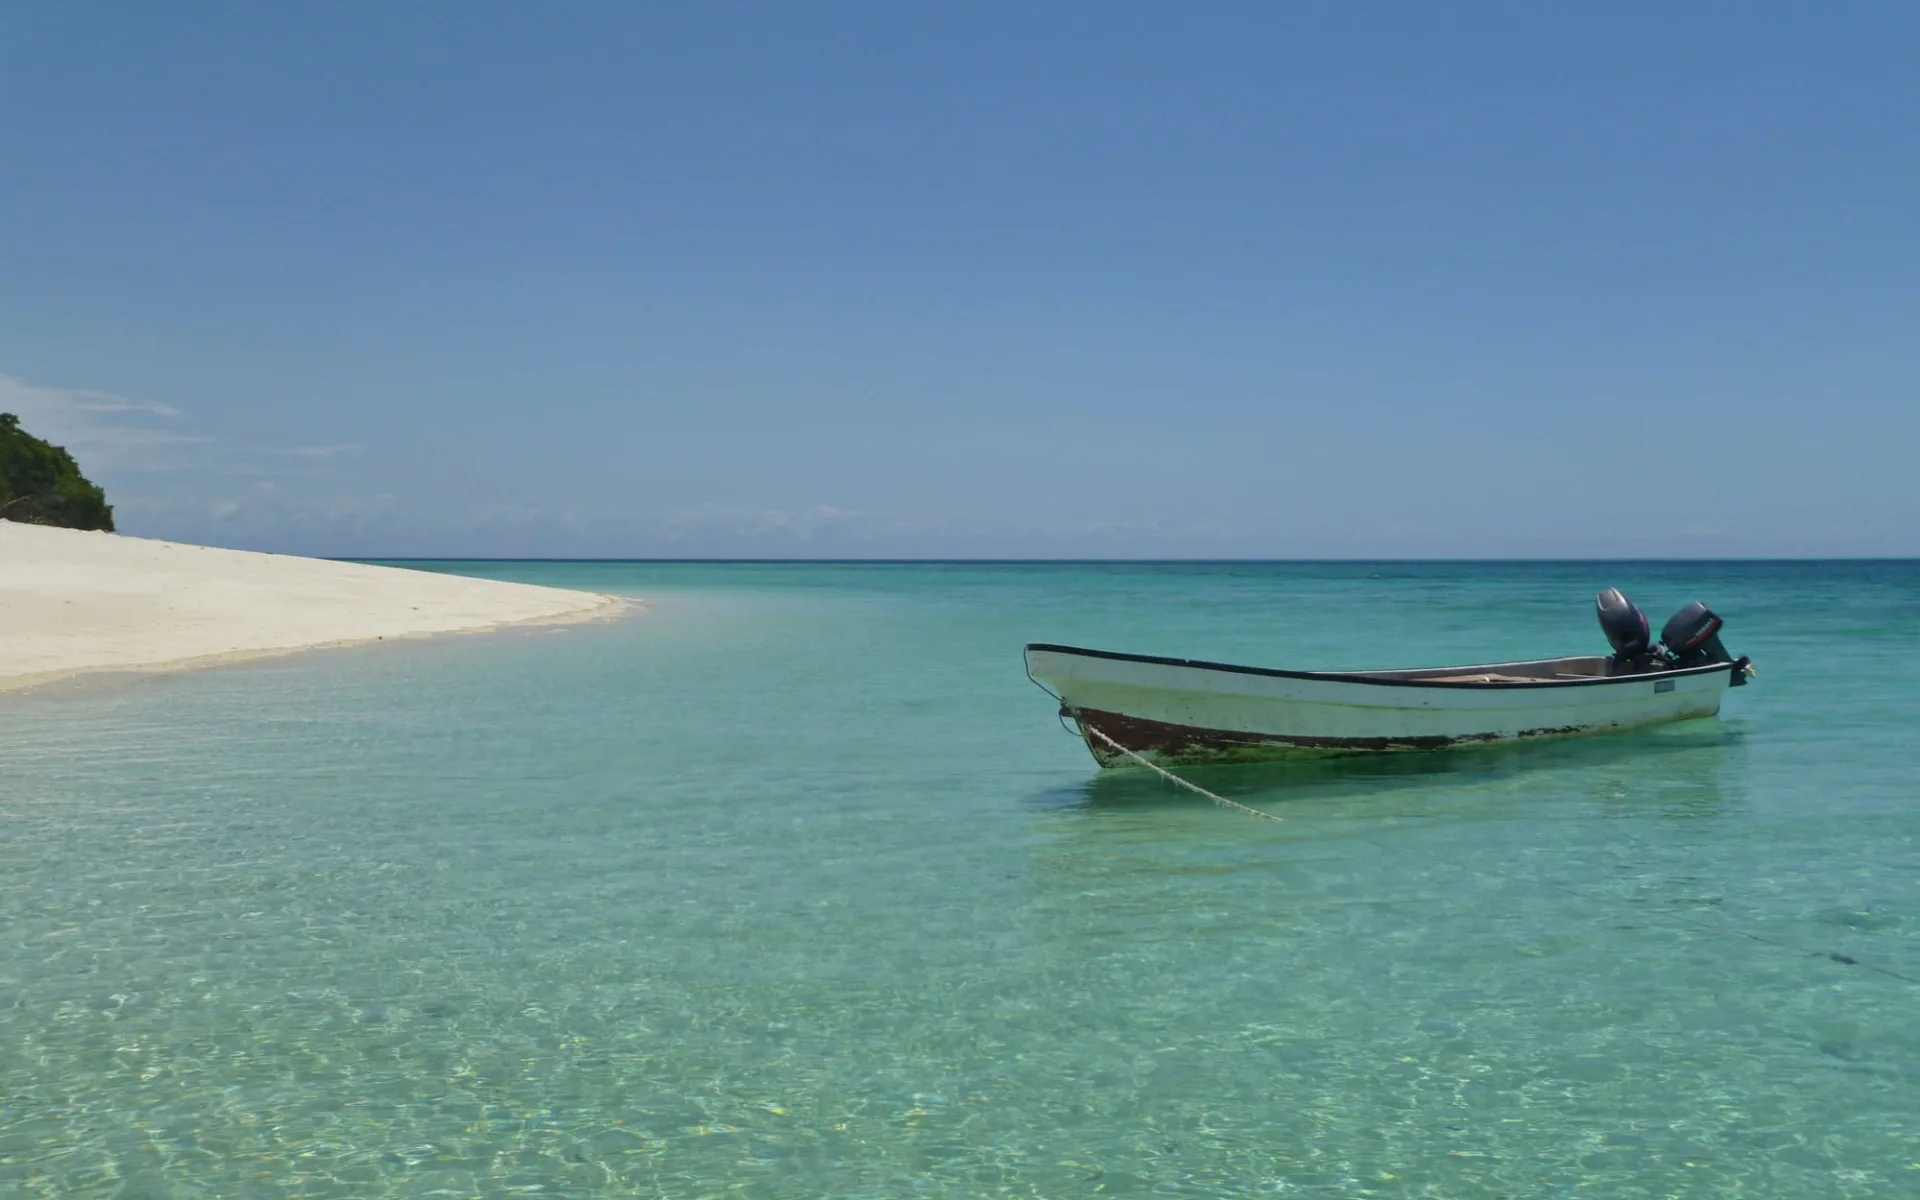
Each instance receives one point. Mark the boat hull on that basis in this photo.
(1173, 711)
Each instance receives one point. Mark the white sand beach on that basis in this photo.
(73, 602)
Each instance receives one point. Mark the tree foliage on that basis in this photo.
(40, 484)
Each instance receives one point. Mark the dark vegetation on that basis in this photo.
(40, 484)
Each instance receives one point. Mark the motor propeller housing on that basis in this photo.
(1624, 624)
(1692, 637)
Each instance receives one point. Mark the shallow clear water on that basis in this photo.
(794, 887)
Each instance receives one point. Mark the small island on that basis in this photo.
(40, 484)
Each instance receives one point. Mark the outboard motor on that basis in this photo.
(1692, 637)
(1627, 632)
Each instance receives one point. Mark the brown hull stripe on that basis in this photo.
(1190, 742)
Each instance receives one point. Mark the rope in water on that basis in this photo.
(1704, 926)
(1170, 777)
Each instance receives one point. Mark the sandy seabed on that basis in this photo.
(74, 602)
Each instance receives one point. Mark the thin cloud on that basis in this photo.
(106, 402)
(167, 482)
(318, 453)
(749, 521)
(105, 431)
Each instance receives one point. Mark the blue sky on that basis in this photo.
(1054, 280)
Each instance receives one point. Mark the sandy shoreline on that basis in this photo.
(74, 602)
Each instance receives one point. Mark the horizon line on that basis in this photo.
(468, 558)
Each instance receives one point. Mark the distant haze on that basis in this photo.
(985, 280)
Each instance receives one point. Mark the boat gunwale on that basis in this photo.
(1377, 681)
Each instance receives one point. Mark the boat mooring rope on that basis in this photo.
(1844, 960)
(1170, 777)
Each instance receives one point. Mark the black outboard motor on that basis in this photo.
(1628, 633)
(1692, 637)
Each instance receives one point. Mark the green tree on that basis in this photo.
(40, 484)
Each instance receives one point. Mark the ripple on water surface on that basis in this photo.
(791, 887)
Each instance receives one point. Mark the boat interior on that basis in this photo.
(1591, 666)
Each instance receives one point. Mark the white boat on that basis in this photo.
(1176, 710)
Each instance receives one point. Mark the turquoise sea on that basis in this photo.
(792, 886)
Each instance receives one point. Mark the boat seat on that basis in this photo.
(1485, 677)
